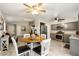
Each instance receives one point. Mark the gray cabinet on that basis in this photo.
(53, 36)
(70, 26)
(66, 38)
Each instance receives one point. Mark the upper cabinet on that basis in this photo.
(72, 26)
(65, 26)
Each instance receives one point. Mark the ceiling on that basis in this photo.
(16, 11)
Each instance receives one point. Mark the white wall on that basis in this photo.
(1, 31)
(19, 32)
(18, 27)
(37, 24)
(10, 28)
(48, 29)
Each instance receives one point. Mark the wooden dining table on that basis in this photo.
(32, 41)
(29, 39)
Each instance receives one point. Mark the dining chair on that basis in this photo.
(43, 50)
(22, 50)
(26, 35)
(43, 35)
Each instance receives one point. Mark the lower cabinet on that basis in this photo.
(64, 39)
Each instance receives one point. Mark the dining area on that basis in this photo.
(31, 44)
(24, 39)
(27, 46)
(32, 47)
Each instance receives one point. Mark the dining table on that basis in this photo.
(32, 41)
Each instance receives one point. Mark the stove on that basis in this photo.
(60, 35)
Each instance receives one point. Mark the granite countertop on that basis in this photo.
(75, 37)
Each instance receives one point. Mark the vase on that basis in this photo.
(33, 36)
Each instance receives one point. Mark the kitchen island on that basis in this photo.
(74, 45)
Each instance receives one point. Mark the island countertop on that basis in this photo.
(75, 37)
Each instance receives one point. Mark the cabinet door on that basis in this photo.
(71, 26)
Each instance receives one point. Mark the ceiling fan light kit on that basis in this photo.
(34, 8)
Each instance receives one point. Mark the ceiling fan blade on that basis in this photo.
(34, 6)
(28, 11)
(39, 4)
(42, 10)
(61, 19)
(27, 5)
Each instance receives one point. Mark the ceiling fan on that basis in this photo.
(34, 8)
(58, 19)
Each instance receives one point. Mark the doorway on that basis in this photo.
(43, 28)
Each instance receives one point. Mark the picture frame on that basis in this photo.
(23, 28)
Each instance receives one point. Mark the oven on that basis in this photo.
(60, 35)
